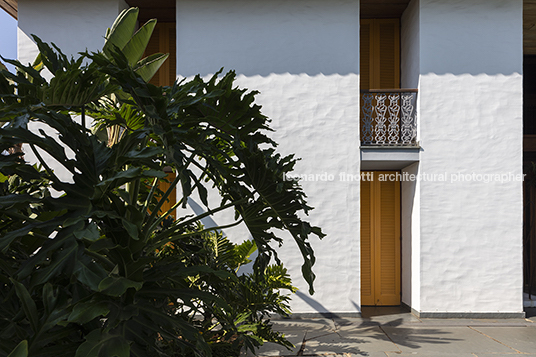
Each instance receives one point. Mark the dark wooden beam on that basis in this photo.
(9, 6)
(152, 3)
(162, 10)
(377, 9)
(529, 27)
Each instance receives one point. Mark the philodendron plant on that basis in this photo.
(89, 264)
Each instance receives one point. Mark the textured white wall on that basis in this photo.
(73, 25)
(471, 122)
(303, 56)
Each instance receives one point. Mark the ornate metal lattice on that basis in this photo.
(367, 122)
(409, 120)
(389, 118)
(394, 118)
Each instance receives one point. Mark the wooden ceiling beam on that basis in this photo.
(162, 10)
(9, 6)
(529, 27)
(378, 9)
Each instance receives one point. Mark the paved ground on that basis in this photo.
(391, 332)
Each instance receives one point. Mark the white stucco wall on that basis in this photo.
(463, 239)
(303, 56)
(471, 122)
(73, 25)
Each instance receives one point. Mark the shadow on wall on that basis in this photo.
(198, 210)
(209, 222)
(471, 37)
(268, 37)
(408, 192)
(321, 309)
(260, 38)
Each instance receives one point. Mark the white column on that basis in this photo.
(471, 123)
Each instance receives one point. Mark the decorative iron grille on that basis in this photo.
(388, 117)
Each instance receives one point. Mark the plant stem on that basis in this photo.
(83, 115)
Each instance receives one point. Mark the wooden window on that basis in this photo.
(380, 53)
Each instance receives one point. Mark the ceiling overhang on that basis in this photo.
(162, 10)
(529, 27)
(377, 9)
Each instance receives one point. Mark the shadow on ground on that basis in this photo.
(378, 331)
(530, 312)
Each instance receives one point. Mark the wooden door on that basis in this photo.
(163, 40)
(172, 198)
(380, 239)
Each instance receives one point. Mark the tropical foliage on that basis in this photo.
(90, 265)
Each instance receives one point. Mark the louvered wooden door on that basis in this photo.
(172, 200)
(379, 53)
(380, 240)
(163, 40)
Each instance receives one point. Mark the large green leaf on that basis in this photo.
(90, 232)
(28, 305)
(100, 344)
(243, 252)
(90, 273)
(84, 312)
(62, 261)
(21, 350)
(135, 47)
(117, 285)
(121, 31)
(148, 66)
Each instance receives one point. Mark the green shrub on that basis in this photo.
(89, 265)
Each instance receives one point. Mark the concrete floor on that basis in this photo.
(388, 332)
